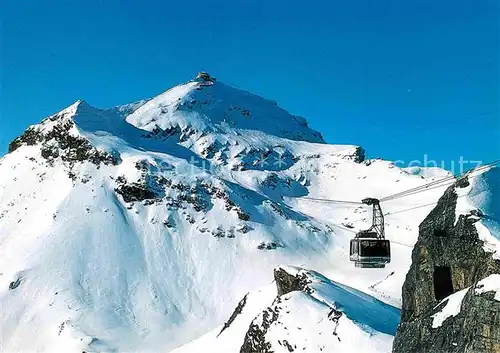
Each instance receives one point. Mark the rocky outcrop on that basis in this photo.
(288, 281)
(255, 338)
(449, 257)
(30, 137)
(203, 76)
(235, 314)
(60, 141)
(360, 155)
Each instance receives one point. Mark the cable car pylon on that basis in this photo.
(369, 248)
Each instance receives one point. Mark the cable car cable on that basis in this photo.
(449, 180)
(388, 214)
(331, 200)
(425, 187)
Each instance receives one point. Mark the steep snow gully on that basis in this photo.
(140, 228)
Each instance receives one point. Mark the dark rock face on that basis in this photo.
(30, 137)
(255, 338)
(15, 284)
(475, 329)
(135, 192)
(287, 282)
(150, 187)
(447, 258)
(60, 143)
(235, 313)
(203, 76)
(269, 246)
(360, 155)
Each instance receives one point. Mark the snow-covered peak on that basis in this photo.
(73, 108)
(207, 106)
(80, 107)
(79, 112)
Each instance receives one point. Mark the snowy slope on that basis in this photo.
(140, 227)
(482, 197)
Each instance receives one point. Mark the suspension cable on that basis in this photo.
(389, 214)
(446, 181)
(420, 188)
(436, 183)
(331, 200)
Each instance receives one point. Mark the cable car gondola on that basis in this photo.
(369, 248)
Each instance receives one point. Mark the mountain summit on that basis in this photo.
(205, 105)
(139, 228)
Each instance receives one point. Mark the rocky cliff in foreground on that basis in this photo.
(451, 296)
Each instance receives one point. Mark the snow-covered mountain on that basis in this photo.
(140, 228)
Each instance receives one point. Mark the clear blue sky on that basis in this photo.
(401, 78)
